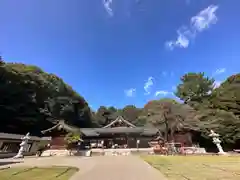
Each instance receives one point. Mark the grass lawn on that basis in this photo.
(52, 173)
(197, 167)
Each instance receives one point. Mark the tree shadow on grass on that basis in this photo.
(9, 163)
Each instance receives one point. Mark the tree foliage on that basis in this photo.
(32, 100)
(217, 108)
(72, 138)
(169, 116)
(195, 87)
(105, 115)
(131, 113)
(223, 122)
(24, 90)
(227, 96)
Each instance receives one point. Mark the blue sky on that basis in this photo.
(119, 52)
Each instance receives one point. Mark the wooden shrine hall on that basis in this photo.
(118, 134)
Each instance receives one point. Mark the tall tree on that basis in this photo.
(169, 116)
(194, 88)
(227, 96)
(1, 60)
(223, 122)
(71, 110)
(24, 90)
(130, 113)
(105, 115)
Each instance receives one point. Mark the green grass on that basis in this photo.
(197, 167)
(35, 173)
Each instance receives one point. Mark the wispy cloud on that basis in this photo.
(219, 71)
(148, 85)
(130, 92)
(162, 93)
(205, 18)
(217, 84)
(202, 21)
(174, 88)
(183, 39)
(107, 5)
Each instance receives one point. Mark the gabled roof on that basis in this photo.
(95, 132)
(62, 125)
(119, 119)
(90, 132)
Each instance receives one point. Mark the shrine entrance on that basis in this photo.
(119, 134)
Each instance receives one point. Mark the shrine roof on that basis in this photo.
(125, 127)
(62, 125)
(120, 119)
(119, 130)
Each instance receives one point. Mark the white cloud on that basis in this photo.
(220, 71)
(148, 85)
(107, 5)
(205, 18)
(217, 84)
(183, 39)
(130, 92)
(198, 23)
(174, 88)
(163, 93)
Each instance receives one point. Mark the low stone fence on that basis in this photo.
(98, 152)
(194, 150)
(115, 152)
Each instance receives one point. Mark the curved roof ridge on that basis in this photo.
(62, 125)
(119, 119)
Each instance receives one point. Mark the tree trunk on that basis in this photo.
(166, 137)
(172, 135)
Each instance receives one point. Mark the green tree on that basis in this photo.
(170, 117)
(72, 138)
(223, 122)
(73, 111)
(1, 61)
(194, 88)
(105, 115)
(227, 96)
(24, 91)
(131, 113)
(141, 121)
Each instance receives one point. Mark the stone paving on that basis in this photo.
(97, 168)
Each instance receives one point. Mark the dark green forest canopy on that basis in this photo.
(27, 96)
(32, 100)
(227, 96)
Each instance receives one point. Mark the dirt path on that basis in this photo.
(121, 168)
(100, 168)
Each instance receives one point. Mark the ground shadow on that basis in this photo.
(9, 162)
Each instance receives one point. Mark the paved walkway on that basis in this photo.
(99, 168)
